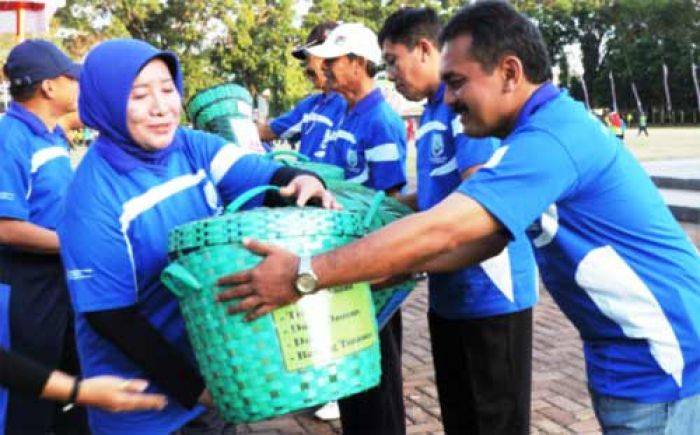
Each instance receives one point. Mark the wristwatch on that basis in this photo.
(306, 280)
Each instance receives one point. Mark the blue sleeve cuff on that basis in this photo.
(18, 213)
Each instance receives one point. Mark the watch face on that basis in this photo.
(305, 283)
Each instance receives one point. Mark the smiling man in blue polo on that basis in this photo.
(609, 251)
(35, 172)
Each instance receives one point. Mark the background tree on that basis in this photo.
(250, 41)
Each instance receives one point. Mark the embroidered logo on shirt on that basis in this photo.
(437, 150)
(79, 274)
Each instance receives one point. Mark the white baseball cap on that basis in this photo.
(349, 38)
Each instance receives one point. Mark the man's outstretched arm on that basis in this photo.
(408, 244)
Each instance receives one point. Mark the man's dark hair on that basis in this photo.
(497, 30)
(408, 25)
(22, 94)
(320, 31)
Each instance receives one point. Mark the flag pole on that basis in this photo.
(20, 24)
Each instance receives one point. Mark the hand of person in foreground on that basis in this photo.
(306, 187)
(107, 392)
(267, 286)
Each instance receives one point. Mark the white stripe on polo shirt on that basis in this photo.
(149, 199)
(445, 169)
(498, 270)
(457, 127)
(496, 157)
(45, 155)
(428, 127)
(306, 119)
(622, 296)
(550, 225)
(224, 159)
(387, 152)
(317, 117)
(345, 135)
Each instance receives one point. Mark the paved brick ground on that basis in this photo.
(560, 401)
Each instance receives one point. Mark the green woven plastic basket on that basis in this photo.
(292, 158)
(216, 109)
(321, 348)
(358, 198)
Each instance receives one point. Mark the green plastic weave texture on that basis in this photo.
(243, 362)
(224, 100)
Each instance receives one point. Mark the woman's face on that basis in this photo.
(153, 110)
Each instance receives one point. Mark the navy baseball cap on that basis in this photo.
(35, 60)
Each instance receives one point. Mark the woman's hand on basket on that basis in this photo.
(267, 286)
(306, 187)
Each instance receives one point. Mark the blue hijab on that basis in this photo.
(109, 71)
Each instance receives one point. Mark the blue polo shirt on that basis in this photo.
(114, 247)
(503, 284)
(370, 144)
(310, 122)
(35, 168)
(609, 250)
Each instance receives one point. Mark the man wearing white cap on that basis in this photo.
(370, 144)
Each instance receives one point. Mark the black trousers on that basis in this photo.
(41, 328)
(483, 372)
(380, 410)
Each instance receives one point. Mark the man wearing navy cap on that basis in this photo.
(310, 122)
(35, 168)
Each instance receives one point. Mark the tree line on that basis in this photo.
(250, 41)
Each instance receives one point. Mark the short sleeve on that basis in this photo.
(233, 169)
(517, 188)
(288, 126)
(385, 151)
(97, 257)
(14, 184)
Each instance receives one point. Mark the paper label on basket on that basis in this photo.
(325, 326)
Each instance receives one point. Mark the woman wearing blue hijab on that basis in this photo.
(143, 176)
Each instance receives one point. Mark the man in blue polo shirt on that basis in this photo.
(609, 250)
(369, 142)
(36, 170)
(310, 121)
(483, 384)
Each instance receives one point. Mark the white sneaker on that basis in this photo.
(329, 411)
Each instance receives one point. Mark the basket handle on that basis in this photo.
(247, 196)
(280, 153)
(374, 208)
(175, 276)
